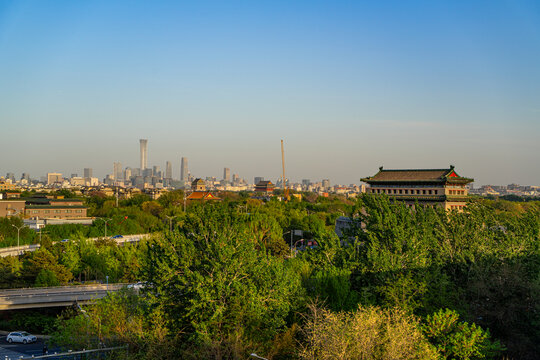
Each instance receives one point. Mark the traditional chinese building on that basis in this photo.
(199, 191)
(431, 187)
(198, 185)
(264, 186)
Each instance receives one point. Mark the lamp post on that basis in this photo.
(105, 220)
(170, 221)
(18, 237)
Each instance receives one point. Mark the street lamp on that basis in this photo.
(170, 221)
(105, 220)
(18, 236)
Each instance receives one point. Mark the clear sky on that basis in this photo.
(349, 86)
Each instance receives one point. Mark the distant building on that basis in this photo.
(144, 153)
(326, 184)
(227, 174)
(184, 170)
(431, 187)
(202, 195)
(11, 207)
(257, 179)
(127, 173)
(77, 181)
(117, 171)
(53, 178)
(6, 186)
(168, 170)
(88, 173)
(265, 187)
(198, 185)
(43, 207)
(199, 191)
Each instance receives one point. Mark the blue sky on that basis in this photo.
(349, 86)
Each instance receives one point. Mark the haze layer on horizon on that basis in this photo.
(348, 86)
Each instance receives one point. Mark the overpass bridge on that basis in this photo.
(17, 250)
(27, 298)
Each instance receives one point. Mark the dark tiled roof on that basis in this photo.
(55, 207)
(264, 183)
(66, 200)
(415, 175)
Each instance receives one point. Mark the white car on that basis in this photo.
(137, 286)
(21, 336)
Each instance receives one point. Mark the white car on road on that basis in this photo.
(21, 336)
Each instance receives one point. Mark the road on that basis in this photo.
(16, 250)
(54, 296)
(14, 351)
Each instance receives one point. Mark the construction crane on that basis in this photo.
(285, 187)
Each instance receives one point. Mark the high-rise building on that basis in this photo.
(326, 183)
(144, 153)
(53, 178)
(127, 173)
(25, 176)
(88, 173)
(258, 179)
(155, 171)
(168, 170)
(117, 171)
(184, 170)
(227, 174)
(306, 182)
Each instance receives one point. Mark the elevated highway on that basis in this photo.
(27, 298)
(17, 250)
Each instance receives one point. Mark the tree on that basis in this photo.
(215, 284)
(459, 340)
(367, 333)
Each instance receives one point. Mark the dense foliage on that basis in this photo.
(225, 283)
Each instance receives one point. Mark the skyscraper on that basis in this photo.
(155, 171)
(88, 172)
(117, 171)
(168, 170)
(184, 170)
(227, 174)
(127, 173)
(144, 153)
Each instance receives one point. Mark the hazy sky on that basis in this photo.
(349, 86)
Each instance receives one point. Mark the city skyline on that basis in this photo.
(176, 170)
(348, 86)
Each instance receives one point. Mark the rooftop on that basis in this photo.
(416, 175)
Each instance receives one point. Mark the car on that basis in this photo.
(117, 237)
(20, 336)
(64, 240)
(137, 286)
